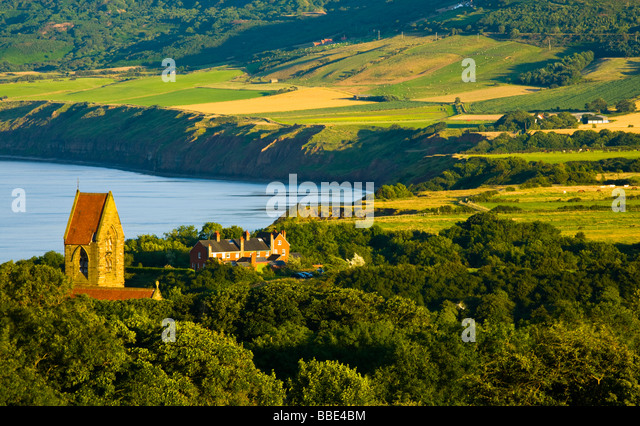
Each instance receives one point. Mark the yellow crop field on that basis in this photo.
(485, 94)
(302, 99)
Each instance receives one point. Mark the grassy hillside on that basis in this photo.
(496, 63)
(410, 66)
(563, 98)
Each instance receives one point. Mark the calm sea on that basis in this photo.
(146, 204)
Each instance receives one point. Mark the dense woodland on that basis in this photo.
(80, 34)
(562, 73)
(556, 323)
(609, 28)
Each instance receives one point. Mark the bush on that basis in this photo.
(392, 192)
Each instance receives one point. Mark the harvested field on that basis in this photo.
(485, 94)
(302, 99)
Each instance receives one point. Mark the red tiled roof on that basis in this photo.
(106, 293)
(86, 218)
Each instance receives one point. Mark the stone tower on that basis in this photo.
(94, 242)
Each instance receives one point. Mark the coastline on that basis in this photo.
(18, 158)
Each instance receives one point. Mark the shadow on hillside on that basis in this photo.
(353, 20)
(635, 65)
(513, 73)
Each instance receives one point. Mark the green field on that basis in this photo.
(564, 98)
(52, 88)
(563, 157)
(145, 91)
(406, 114)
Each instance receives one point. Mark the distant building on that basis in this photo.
(322, 42)
(272, 248)
(595, 119)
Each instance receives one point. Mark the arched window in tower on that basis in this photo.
(84, 263)
(108, 255)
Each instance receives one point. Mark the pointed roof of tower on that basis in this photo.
(85, 217)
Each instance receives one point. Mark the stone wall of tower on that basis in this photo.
(72, 255)
(110, 228)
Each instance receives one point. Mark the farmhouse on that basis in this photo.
(272, 248)
(322, 42)
(594, 119)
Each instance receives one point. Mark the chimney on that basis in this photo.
(253, 259)
(271, 244)
(246, 235)
(241, 246)
(284, 234)
(218, 236)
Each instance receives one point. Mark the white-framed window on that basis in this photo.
(199, 255)
(275, 251)
(279, 242)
